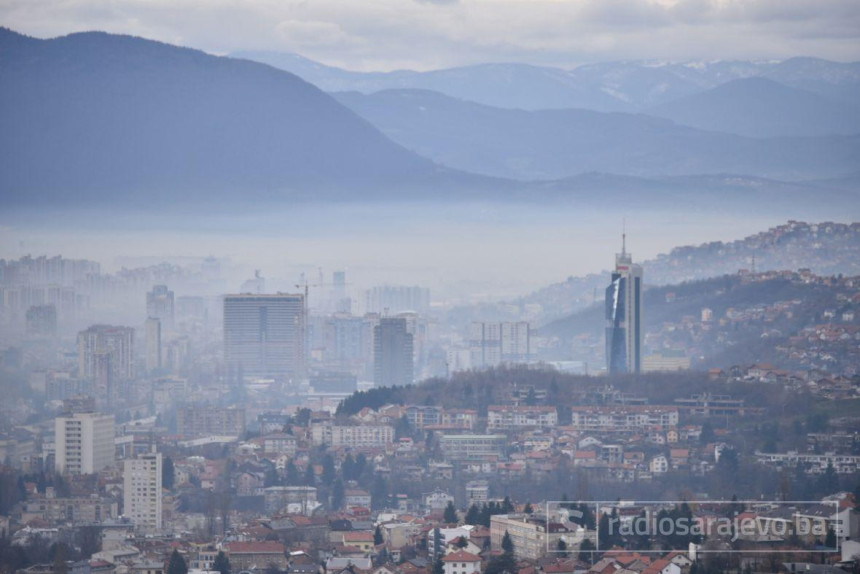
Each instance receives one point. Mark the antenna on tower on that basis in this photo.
(623, 236)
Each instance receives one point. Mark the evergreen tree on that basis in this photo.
(507, 544)
(830, 540)
(329, 472)
(586, 550)
(60, 564)
(167, 473)
(450, 514)
(438, 566)
(292, 477)
(347, 468)
(561, 547)
(177, 564)
(528, 508)
(310, 478)
(507, 506)
(338, 495)
(377, 536)
(222, 563)
(473, 515)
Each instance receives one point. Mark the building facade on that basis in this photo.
(142, 491)
(264, 335)
(84, 443)
(393, 360)
(624, 322)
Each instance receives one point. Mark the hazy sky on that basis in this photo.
(426, 34)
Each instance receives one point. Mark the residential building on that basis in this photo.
(159, 305)
(142, 496)
(506, 417)
(354, 436)
(83, 442)
(393, 360)
(461, 562)
(465, 447)
(153, 344)
(198, 421)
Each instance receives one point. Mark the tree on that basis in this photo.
(450, 514)
(167, 473)
(177, 564)
(561, 547)
(310, 478)
(830, 540)
(504, 564)
(586, 550)
(507, 543)
(473, 515)
(89, 540)
(222, 563)
(528, 508)
(377, 536)
(707, 434)
(438, 566)
(329, 472)
(60, 564)
(337, 494)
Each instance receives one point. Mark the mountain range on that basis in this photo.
(108, 120)
(607, 86)
(93, 115)
(553, 144)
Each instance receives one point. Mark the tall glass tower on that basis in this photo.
(624, 326)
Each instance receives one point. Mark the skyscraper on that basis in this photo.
(142, 491)
(392, 353)
(624, 326)
(153, 345)
(264, 334)
(84, 443)
(118, 342)
(159, 304)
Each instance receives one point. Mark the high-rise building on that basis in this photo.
(118, 342)
(84, 443)
(159, 304)
(624, 325)
(42, 321)
(264, 335)
(392, 353)
(142, 491)
(397, 299)
(198, 420)
(153, 345)
(491, 344)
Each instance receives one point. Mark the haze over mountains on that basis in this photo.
(106, 119)
(552, 144)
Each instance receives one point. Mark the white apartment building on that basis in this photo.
(355, 436)
(623, 418)
(142, 494)
(506, 417)
(84, 443)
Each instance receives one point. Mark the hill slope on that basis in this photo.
(91, 115)
(759, 107)
(552, 144)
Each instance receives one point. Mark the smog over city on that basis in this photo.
(429, 286)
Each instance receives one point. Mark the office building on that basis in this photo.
(392, 299)
(153, 345)
(491, 344)
(84, 443)
(624, 321)
(142, 492)
(392, 353)
(159, 304)
(264, 335)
